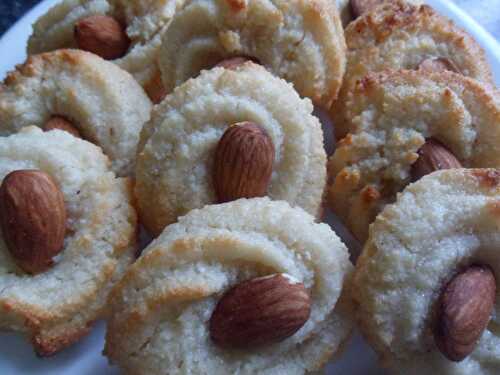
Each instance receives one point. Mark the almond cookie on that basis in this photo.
(399, 35)
(67, 233)
(425, 282)
(404, 125)
(126, 32)
(352, 9)
(94, 98)
(301, 41)
(170, 313)
(189, 156)
(344, 7)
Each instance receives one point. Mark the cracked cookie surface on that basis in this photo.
(399, 35)
(393, 113)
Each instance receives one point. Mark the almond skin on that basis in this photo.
(243, 162)
(32, 219)
(433, 155)
(260, 311)
(61, 123)
(103, 36)
(155, 89)
(439, 64)
(234, 62)
(464, 310)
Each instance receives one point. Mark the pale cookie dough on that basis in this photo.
(161, 308)
(446, 221)
(175, 161)
(393, 113)
(400, 36)
(102, 101)
(301, 41)
(57, 307)
(145, 22)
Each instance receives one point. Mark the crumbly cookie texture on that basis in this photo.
(446, 221)
(145, 22)
(301, 41)
(176, 152)
(57, 307)
(399, 35)
(346, 13)
(392, 115)
(161, 308)
(102, 101)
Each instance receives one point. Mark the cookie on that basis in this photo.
(300, 41)
(142, 23)
(437, 240)
(399, 35)
(162, 308)
(57, 306)
(352, 9)
(101, 101)
(393, 115)
(177, 152)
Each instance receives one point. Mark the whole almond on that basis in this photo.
(359, 7)
(464, 310)
(32, 218)
(243, 162)
(433, 156)
(439, 64)
(103, 36)
(260, 311)
(61, 123)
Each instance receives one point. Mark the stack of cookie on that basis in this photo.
(194, 120)
(418, 97)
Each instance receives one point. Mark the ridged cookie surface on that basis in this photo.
(176, 153)
(393, 113)
(347, 14)
(57, 307)
(440, 225)
(399, 35)
(102, 101)
(301, 41)
(161, 308)
(145, 21)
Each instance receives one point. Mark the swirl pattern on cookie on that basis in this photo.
(143, 21)
(439, 226)
(301, 41)
(393, 114)
(176, 152)
(399, 35)
(161, 308)
(57, 307)
(103, 102)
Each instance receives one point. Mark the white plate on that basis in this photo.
(84, 358)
